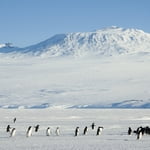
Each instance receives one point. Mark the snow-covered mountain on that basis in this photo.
(108, 41)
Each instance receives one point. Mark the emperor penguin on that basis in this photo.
(57, 131)
(29, 131)
(13, 132)
(85, 130)
(77, 131)
(48, 131)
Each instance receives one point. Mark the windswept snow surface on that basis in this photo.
(113, 137)
(34, 82)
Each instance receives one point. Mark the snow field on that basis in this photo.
(114, 135)
(69, 82)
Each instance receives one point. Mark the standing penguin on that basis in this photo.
(8, 128)
(57, 131)
(37, 128)
(85, 130)
(48, 131)
(139, 135)
(14, 120)
(13, 132)
(29, 131)
(99, 130)
(129, 131)
(77, 131)
(93, 126)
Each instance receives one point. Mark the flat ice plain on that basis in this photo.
(75, 82)
(113, 137)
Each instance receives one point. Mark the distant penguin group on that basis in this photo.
(48, 131)
(85, 131)
(139, 132)
(12, 132)
(34, 129)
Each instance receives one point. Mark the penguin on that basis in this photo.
(139, 135)
(14, 120)
(8, 128)
(29, 131)
(139, 129)
(57, 131)
(143, 131)
(85, 130)
(13, 132)
(48, 131)
(147, 130)
(93, 126)
(77, 131)
(37, 128)
(99, 130)
(129, 131)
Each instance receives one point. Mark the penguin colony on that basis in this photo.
(31, 130)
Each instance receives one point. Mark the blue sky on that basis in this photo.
(27, 22)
